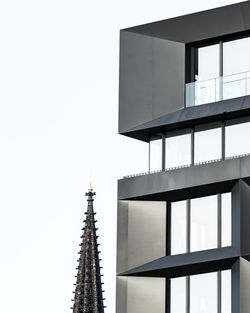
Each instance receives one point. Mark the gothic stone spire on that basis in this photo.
(88, 292)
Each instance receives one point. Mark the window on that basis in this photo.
(155, 154)
(204, 215)
(199, 293)
(237, 139)
(220, 71)
(178, 295)
(178, 150)
(203, 293)
(201, 224)
(178, 227)
(207, 145)
(236, 56)
(208, 62)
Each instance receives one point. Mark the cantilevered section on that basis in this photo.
(88, 291)
(178, 184)
(155, 60)
(192, 116)
(187, 264)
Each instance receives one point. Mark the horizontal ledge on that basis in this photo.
(191, 116)
(187, 264)
(185, 183)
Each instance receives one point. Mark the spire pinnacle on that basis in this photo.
(90, 184)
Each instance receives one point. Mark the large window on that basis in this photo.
(207, 145)
(178, 150)
(237, 139)
(203, 143)
(203, 293)
(201, 223)
(204, 219)
(220, 71)
(155, 154)
(208, 62)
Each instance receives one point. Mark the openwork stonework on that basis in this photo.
(88, 292)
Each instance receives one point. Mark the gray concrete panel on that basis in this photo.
(187, 182)
(151, 77)
(122, 236)
(135, 85)
(244, 285)
(168, 77)
(141, 233)
(146, 232)
(245, 219)
(121, 294)
(240, 286)
(145, 295)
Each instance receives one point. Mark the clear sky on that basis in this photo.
(59, 62)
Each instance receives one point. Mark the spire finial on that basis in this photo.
(90, 184)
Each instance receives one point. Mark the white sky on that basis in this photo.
(58, 125)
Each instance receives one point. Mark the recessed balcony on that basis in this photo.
(218, 89)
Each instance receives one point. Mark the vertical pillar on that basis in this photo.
(163, 152)
(223, 141)
(192, 146)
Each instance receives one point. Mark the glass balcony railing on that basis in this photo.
(217, 89)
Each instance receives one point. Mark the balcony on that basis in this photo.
(217, 89)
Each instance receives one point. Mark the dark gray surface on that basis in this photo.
(179, 184)
(152, 78)
(153, 57)
(199, 26)
(187, 264)
(189, 117)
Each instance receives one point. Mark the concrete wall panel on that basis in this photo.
(146, 295)
(141, 233)
(152, 78)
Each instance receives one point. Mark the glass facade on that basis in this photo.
(178, 151)
(204, 215)
(237, 139)
(178, 227)
(178, 295)
(203, 293)
(236, 56)
(155, 155)
(226, 219)
(201, 223)
(226, 283)
(207, 145)
(222, 71)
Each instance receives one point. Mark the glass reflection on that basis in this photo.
(237, 139)
(236, 56)
(178, 295)
(178, 227)
(226, 291)
(203, 223)
(155, 158)
(203, 293)
(208, 62)
(226, 220)
(178, 150)
(207, 145)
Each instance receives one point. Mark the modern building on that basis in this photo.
(183, 230)
(88, 287)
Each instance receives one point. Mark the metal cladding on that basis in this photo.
(88, 292)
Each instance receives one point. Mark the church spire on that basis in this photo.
(88, 292)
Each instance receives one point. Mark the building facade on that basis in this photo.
(183, 234)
